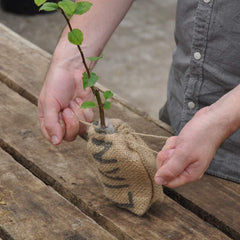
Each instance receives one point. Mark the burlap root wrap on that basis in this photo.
(125, 167)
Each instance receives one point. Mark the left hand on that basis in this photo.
(186, 157)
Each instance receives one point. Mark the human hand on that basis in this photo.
(59, 104)
(186, 157)
(62, 92)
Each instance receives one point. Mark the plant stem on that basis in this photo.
(94, 90)
(100, 107)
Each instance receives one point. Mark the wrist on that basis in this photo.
(227, 110)
(67, 55)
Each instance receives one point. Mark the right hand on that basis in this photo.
(59, 104)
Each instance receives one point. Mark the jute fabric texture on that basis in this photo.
(125, 167)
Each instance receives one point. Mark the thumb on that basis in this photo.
(52, 122)
(171, 169)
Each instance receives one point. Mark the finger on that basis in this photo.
(44, 131)
(88, 114)
(71, 124)
(41, 120)
(170, 143)
(82, 114)
(190, 174)
(163, 156)
(172, 169)
(51, 126)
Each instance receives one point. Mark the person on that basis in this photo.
(203, 90)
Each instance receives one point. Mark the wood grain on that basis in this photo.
(30, 210)
(219, 198)
(70, 170)
(27, 81)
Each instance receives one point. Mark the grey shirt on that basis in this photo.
(206, 65)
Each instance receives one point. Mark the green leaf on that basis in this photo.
(89, 82)
(75, 37)
(107, 105)
(93, 59)
(68, 7)
(39, 2)
(107, 94)
(82, 7)
(49, 6)
(88, 104)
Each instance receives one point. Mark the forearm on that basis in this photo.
(97, 26)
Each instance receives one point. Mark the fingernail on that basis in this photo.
(78, 100)
(160, 181)
(55, 140)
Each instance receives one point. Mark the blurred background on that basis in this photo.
(137, 58)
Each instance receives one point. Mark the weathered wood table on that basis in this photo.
(49, 192)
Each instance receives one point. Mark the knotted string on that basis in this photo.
(134, 133)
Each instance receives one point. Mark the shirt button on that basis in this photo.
(206, 1)
(191, 105)
(197, 55)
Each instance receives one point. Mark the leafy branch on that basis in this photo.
(75, 36)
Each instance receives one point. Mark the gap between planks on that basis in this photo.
(67, 194)
(201, 213)
(4, 235)
(113, 229)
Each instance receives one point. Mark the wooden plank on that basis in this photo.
(218, 198)
(30, 210)
(70, 170)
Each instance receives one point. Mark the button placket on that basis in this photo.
(199, 44)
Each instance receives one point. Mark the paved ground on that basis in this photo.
(137, 57)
